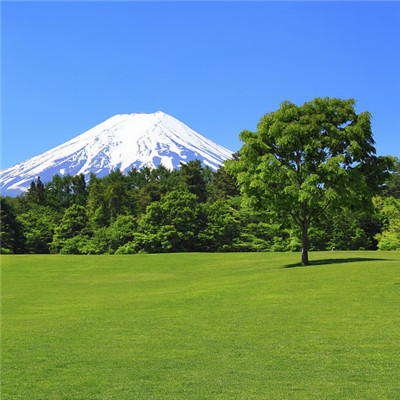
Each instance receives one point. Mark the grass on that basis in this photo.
(201, 326)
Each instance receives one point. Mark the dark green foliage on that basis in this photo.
(193, 178)
(222, 185)
(63, 191)
(121, 231)
(73, 223)
(391, 188)
(97, 204)
(345, 230)
(39, 224)
(55, 194)
(116, 194)
(11, 233)
(169, 225)
(79, 190)
(19, 203)
(147, 195)
(221, 227)
(109, 239)
(259, 231)
(140, 178)
(36, 193)
(167, 179)
(148, 185)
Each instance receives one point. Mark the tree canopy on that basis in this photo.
(305, 160)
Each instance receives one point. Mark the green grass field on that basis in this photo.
(201, 326)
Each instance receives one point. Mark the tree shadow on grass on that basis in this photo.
(335, 261)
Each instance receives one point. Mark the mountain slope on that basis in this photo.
(123, 141)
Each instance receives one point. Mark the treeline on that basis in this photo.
(190, 209)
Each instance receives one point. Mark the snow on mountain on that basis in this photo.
(123, 141)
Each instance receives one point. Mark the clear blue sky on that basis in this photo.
(216, 66)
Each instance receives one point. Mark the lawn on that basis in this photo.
(201, 326)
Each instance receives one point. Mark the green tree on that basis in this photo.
(167, 179)
(109, 239)
(389, 239)
(193, 178)
(304, 160)
(221, 227)
(346, 229)
(258, 231)
(116, 193)
(39, 223)
(79, 190)
(222, 185)
(11, 233)
(54, 193)
(392, 185)
(140, 178)
(147, 195)
(63, 191)
(36, 193)
(169, 225)
(73, 223)
(97, 204)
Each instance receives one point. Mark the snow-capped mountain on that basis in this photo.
(123, 141)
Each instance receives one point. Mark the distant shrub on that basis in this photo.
(75, 245)
(5, 251)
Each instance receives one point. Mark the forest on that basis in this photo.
(308, 179)
(190, 209)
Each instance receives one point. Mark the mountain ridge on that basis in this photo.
(122, 141)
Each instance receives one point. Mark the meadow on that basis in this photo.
(201, 326)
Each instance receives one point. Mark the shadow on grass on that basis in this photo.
(335, 261)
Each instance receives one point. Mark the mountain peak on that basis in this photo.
(123, 141)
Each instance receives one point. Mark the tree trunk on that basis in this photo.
(304, 250)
